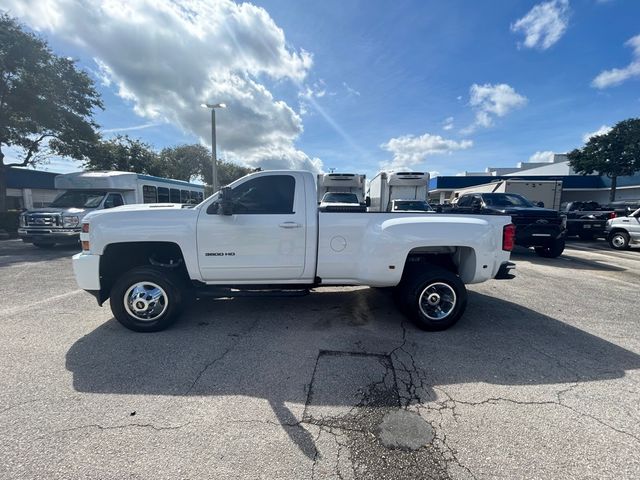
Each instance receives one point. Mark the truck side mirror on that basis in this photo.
(226, 201)
(540, 204)
(367, 201)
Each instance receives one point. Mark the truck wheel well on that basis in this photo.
(119, 258)
(417, 261)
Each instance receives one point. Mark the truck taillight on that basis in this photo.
(508, 237)
(612, 215)
(85, 245)
(85, 228)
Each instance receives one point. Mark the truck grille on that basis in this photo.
(42, 220)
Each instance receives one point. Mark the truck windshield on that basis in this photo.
(331, 197)
(414, 205)
(505, 200)
(79, 199)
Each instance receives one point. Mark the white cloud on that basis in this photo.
(603, 130)
(350, 90)
(491, 101)
(129, 129)
(544, 24)
(410, 150)
(166, 58)
(546, 156)
(615, 76)
(448, 123)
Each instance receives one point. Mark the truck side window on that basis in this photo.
(149, 194)
(465, 201)
(163, 195)
(272, 194)
(113, 200)
(175, 195)
(184, 196)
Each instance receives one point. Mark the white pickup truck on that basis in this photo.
(264, 232)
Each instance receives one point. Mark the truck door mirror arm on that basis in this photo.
(226, 202)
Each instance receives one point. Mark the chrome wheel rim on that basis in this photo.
(146, 301)
(618, 241)
(437, 301)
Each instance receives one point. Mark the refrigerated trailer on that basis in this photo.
(388, 186)
(547, 193)
(341, 183)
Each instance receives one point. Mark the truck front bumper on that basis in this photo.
(35, 235)
(86, 268)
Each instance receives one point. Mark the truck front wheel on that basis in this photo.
(434, 299)
(147, 299)
(619, 240)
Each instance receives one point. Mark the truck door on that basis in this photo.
(264, 238)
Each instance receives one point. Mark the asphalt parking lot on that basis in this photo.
(540, 379)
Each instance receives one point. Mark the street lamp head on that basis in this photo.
(215, 105)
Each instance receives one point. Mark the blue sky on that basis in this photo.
(358, 85)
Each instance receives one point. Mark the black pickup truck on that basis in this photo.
(541, 228)
(586, 220)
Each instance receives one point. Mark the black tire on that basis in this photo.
(586, 236)
(553, 251)
(44, 246)
(420, 295)
(167, 286)
(619, 240)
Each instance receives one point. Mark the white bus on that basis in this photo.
(83, 192)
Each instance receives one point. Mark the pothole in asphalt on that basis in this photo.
(404, 429)
(354, 398)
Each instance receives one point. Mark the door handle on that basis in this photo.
(289, 225)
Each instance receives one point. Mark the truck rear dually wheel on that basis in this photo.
(147, 299)
(434, 299)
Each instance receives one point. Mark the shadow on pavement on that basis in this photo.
(269, 348)
(16, 251)
(566, 260)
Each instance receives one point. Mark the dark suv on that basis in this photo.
(541, 228)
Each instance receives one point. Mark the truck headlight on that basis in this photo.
(563, 221)
(69, 222)
(23, 220)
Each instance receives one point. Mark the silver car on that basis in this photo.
(624, 232)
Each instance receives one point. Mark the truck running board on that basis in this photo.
(222, 292)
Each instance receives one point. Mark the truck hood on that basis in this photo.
(55, 210)
(155, 207)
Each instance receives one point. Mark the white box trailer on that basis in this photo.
(84, 192)
(546, 192)
(341, 183)
(388, 186)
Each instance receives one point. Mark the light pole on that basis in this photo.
(214, 159)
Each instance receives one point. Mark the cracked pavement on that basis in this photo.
(540, 379)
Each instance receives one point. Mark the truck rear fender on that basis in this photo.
(393, 244)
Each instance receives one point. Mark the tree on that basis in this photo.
(184, 162)
(46, 102)
(614, 154)
(124, 154)
(187, 162)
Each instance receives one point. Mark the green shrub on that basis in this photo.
(9, 221)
